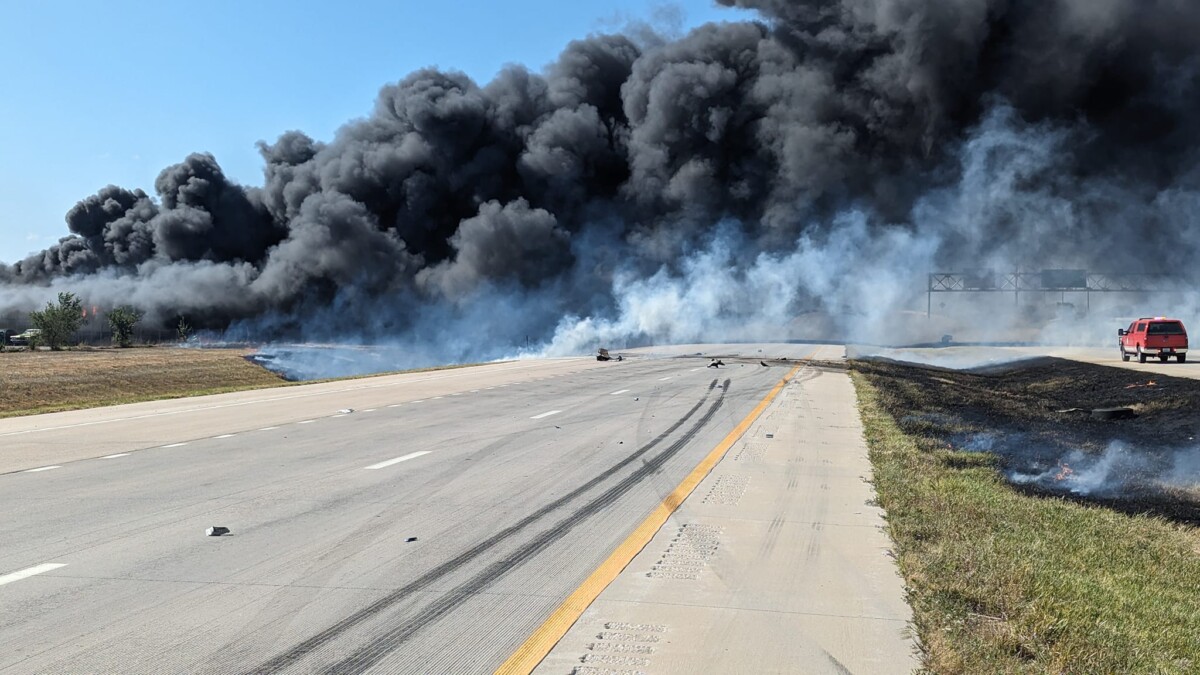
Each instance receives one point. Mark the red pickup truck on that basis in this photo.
(1157, 336)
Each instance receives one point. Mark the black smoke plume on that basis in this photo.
(706, 187)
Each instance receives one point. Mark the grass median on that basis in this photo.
(1008, 580)
(44, 381)
(33, 382)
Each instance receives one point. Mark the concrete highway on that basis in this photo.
(417, 523)
(974, 357)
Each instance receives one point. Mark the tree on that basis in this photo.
(122, 320)
(58, 323)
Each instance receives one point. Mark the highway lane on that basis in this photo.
(1111, 357)
(55, 438)
(350, 551)
(976, 357)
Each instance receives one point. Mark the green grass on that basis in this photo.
(1001, 581)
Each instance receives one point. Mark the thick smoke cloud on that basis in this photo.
(713, 186)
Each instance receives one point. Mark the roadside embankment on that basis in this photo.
(1056, 574)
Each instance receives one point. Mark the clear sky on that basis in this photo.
(96, 93)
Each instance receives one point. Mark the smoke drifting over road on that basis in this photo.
(710, 187)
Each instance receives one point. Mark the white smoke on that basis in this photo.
(1121, 470)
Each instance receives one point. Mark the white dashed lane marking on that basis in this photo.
(29, 572)
(545, 414)
(623, 391)
(42, 468)
(173, 445)
(268, 428)
(119, 454)
(397, 460)
(664, 379)
(306, 422)
(225, 436)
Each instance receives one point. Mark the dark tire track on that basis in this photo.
(445, 604)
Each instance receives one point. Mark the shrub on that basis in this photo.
(58, 323)
(122, 321)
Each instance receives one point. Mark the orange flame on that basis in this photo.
(1064, 471)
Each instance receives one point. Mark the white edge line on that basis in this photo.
(545, 414)
(42, 468)
(623, 391)
(29, 571)
(306, 422)
(397, 460)
(119, 454)
(339, 415)
(173, 445)
(225, 436)
(268, 428)
(395, 405)
(369, 410)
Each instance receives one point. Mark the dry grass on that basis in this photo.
(43, 381)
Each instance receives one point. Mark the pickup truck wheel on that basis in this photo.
(1181, 358)
(1124, 356)
(1141, 356)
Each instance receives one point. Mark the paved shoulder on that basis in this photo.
(776, 563)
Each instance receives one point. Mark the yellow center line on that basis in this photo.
(539, 644)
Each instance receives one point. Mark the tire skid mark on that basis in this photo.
(380, 648)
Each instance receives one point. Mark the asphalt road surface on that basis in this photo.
(430, 529)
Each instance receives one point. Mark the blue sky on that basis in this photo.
(97, 93)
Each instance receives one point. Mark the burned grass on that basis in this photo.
(1037, 576)
(39, 382)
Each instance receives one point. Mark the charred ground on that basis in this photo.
(1014, 576)
(1028, 416)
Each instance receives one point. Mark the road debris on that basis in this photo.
(216, 531)
(716, 363)
(345, 411)
(1150, 383)
(410, 539)
(602, 355)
